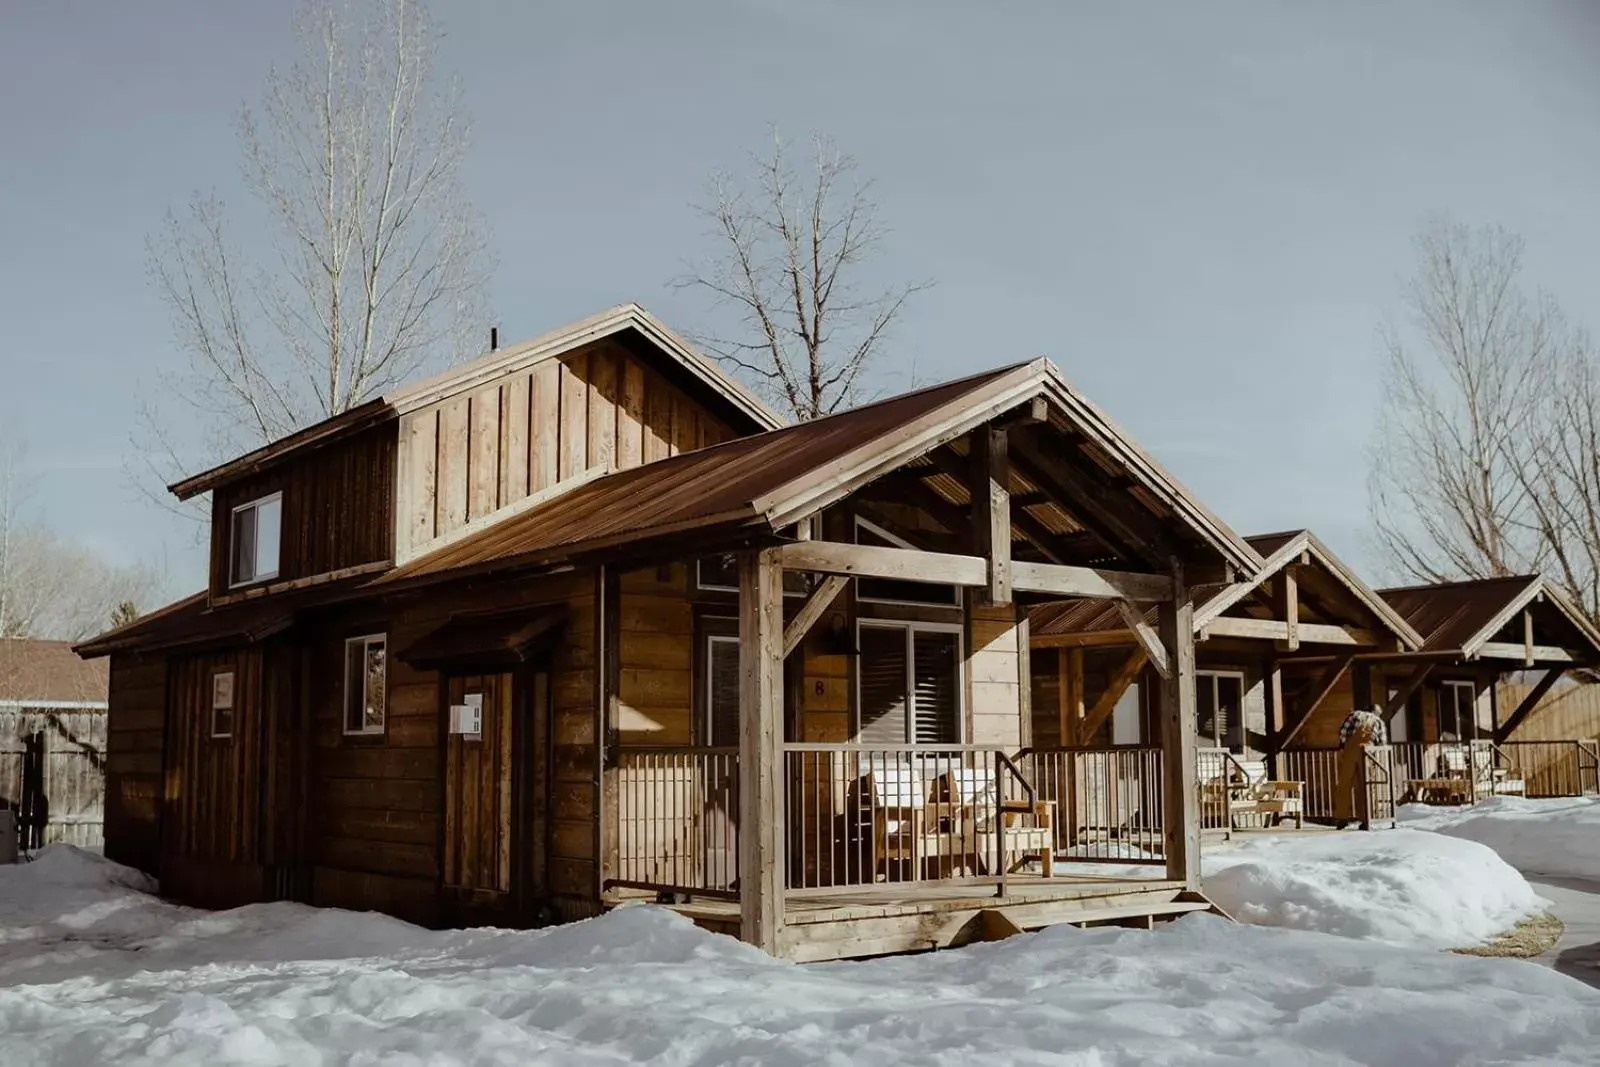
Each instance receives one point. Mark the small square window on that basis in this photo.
(256, 535)
(222, 704)
(366, 690)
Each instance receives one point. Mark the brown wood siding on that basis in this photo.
(338, 508)
(380, 800)
(655, 681)
(1569, 713)
(212, 806)
(135, 738)
(469, 456)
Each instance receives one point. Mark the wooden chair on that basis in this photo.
(1452, 783)
(1491, 780)
(972, 794)
(895, 797)
(1251, 792)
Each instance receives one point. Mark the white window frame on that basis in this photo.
(234, 582)
(910, 628)
(712, 640)
(710, 587)
(364, 641)
(1454, 686)
(232, 706)
(879, 531)
(1212, 676)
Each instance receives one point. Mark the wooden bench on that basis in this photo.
(973, 794)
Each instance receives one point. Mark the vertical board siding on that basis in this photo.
(338, 506)
(477, 797)
(74, 770)
(212, 797)
(466, 457)
(135, 738)
(1571, 713)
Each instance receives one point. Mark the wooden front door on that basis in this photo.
(480, 786)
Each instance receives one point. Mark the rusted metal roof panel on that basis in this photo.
(1451, 615)
(713, 486)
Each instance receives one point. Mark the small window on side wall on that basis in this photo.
(222, 704)
(366, 690)
(256, 533)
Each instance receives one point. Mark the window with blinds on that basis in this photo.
(1220, 709)
(722, 690)
(909, 684)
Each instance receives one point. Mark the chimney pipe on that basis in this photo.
(494, 338)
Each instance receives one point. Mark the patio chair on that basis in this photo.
(1251, 792)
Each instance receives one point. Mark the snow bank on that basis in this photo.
(280, 984)
(1397, 886)
(1558, 837)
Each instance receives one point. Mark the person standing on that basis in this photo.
(1360, 729)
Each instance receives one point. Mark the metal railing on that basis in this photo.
(1555, 768)
(1378, 788)
(1215, 771)
(1110, 805)
(676, 824)
(861, 815)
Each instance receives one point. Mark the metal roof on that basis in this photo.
(1459, 617)
(758, 484)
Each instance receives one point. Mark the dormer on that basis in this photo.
(403, 473)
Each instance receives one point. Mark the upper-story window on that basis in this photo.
(256, 535)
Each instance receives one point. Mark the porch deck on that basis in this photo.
(881, 919)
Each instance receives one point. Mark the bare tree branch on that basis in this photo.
(790, 249)
(1486, 461)
(377, 266)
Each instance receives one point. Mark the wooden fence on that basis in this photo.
(1566, 713)
(74, 742)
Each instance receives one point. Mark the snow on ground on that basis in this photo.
(1402, 886)
(1558, 837)
(94, 971)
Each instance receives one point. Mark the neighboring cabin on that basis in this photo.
(53, 706)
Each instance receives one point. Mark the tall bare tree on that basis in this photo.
(803, 324)
(375, 266)
(1486, 460)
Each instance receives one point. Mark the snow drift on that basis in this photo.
(285, 984)
(1397, 886)
(1558, 837)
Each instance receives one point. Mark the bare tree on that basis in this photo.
(50, 586)
(1486, 461)
(792, 245)
(377, 264)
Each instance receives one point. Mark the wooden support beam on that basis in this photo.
(1272, 684)
(950, 462)
(1071, 711)
(1527, 654)
(1402, 693)
(1528, 703)
(1527, 638)
(1124, 676)
(1145, 635)
(943, 568)
(1178, 739)
(989, 485)
(1292, 637)
(1311, 698)
(761, 808)
(820, 600)
(1078, 492)
(1289, 607)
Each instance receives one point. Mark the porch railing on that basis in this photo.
(1382, 780)
(1555, 768)
(860, 815)
(676, 819)
(1110, 807)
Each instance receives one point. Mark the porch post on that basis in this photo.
(1182, 811)
(761, 881)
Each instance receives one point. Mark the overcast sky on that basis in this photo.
(1199, 211)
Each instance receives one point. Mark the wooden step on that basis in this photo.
(1169, 910)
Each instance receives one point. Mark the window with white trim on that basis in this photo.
(366, 689)
(720, 574)
(1458, 711)
(1219, 707)
(256, 533)
(895, 590)
(908, 683)
(222, 704)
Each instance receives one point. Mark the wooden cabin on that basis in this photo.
(578, 625)
(1270, 649)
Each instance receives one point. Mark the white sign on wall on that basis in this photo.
(466, 718)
